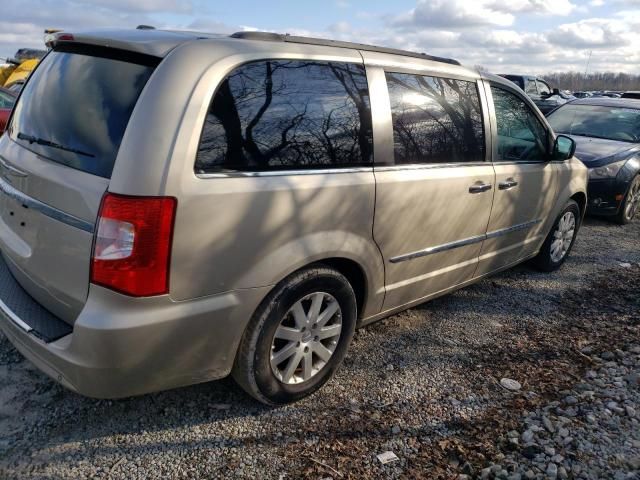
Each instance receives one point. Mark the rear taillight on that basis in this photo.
(133, 244)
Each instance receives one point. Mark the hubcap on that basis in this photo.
(306, 338)
(633, 200)
(563, 236)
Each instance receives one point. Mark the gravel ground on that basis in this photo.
(424, 384)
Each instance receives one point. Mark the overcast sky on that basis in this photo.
(506, 36)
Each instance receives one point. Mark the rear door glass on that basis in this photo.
(435, 120)
(75, 108)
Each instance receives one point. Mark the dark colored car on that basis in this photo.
(632, 94)
(7, 99)
(545, 97)
(609, 94)
(26, 53)
(607, 133)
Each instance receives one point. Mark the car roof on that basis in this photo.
(527, 77)
(149, 41)
(608, 102)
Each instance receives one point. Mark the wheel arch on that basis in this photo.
(352, 270)
(354, 256)
(581, 199)
(355, 275)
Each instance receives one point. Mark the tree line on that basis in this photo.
(576, 81)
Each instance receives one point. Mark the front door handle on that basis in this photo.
(508, 184)
(479, 187)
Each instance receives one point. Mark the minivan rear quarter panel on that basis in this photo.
(248, 230)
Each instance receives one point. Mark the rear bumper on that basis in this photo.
(121, 346)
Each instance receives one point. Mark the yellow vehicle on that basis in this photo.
(20, 73)
(15, 73)
(5, 73)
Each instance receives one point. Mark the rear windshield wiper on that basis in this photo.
(48, 143)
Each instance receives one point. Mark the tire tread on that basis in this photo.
(244, 364)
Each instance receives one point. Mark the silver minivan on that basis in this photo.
(178, 207)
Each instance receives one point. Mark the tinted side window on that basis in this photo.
(521, 136)
(435, 120)
(515, 79)
(282, 114)
(543, 88)
(531, 87)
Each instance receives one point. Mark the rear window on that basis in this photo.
(75, 108)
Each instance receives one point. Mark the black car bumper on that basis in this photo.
(606, 196)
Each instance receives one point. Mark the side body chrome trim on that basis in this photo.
(513, 228)
(427, 166)
(45, 209)
(283, 173)
(438, 249)
(378, 167)
(13, 317)
(464, 242)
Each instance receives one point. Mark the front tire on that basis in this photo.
(298, 337)
(631, 204)
(559, 242)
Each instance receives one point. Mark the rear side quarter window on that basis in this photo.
(288, 114)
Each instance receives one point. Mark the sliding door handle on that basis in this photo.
(508, 184)
(479, 187)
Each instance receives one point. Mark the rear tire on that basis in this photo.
(559, 242)
(631, 204)
(298, 337)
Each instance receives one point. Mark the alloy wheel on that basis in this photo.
(306, 338)
(563, 236)
(633, 200)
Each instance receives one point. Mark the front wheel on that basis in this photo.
(298, 337)
(559, 242)
(631, 204)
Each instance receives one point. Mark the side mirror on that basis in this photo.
(556, 91)
(563, 148)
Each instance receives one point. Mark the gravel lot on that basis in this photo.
(424, 384)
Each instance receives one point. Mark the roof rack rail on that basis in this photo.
(278, 37)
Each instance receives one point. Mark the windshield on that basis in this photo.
(612, 123)
(75, 108)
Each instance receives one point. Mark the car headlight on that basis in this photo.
(607, 171)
